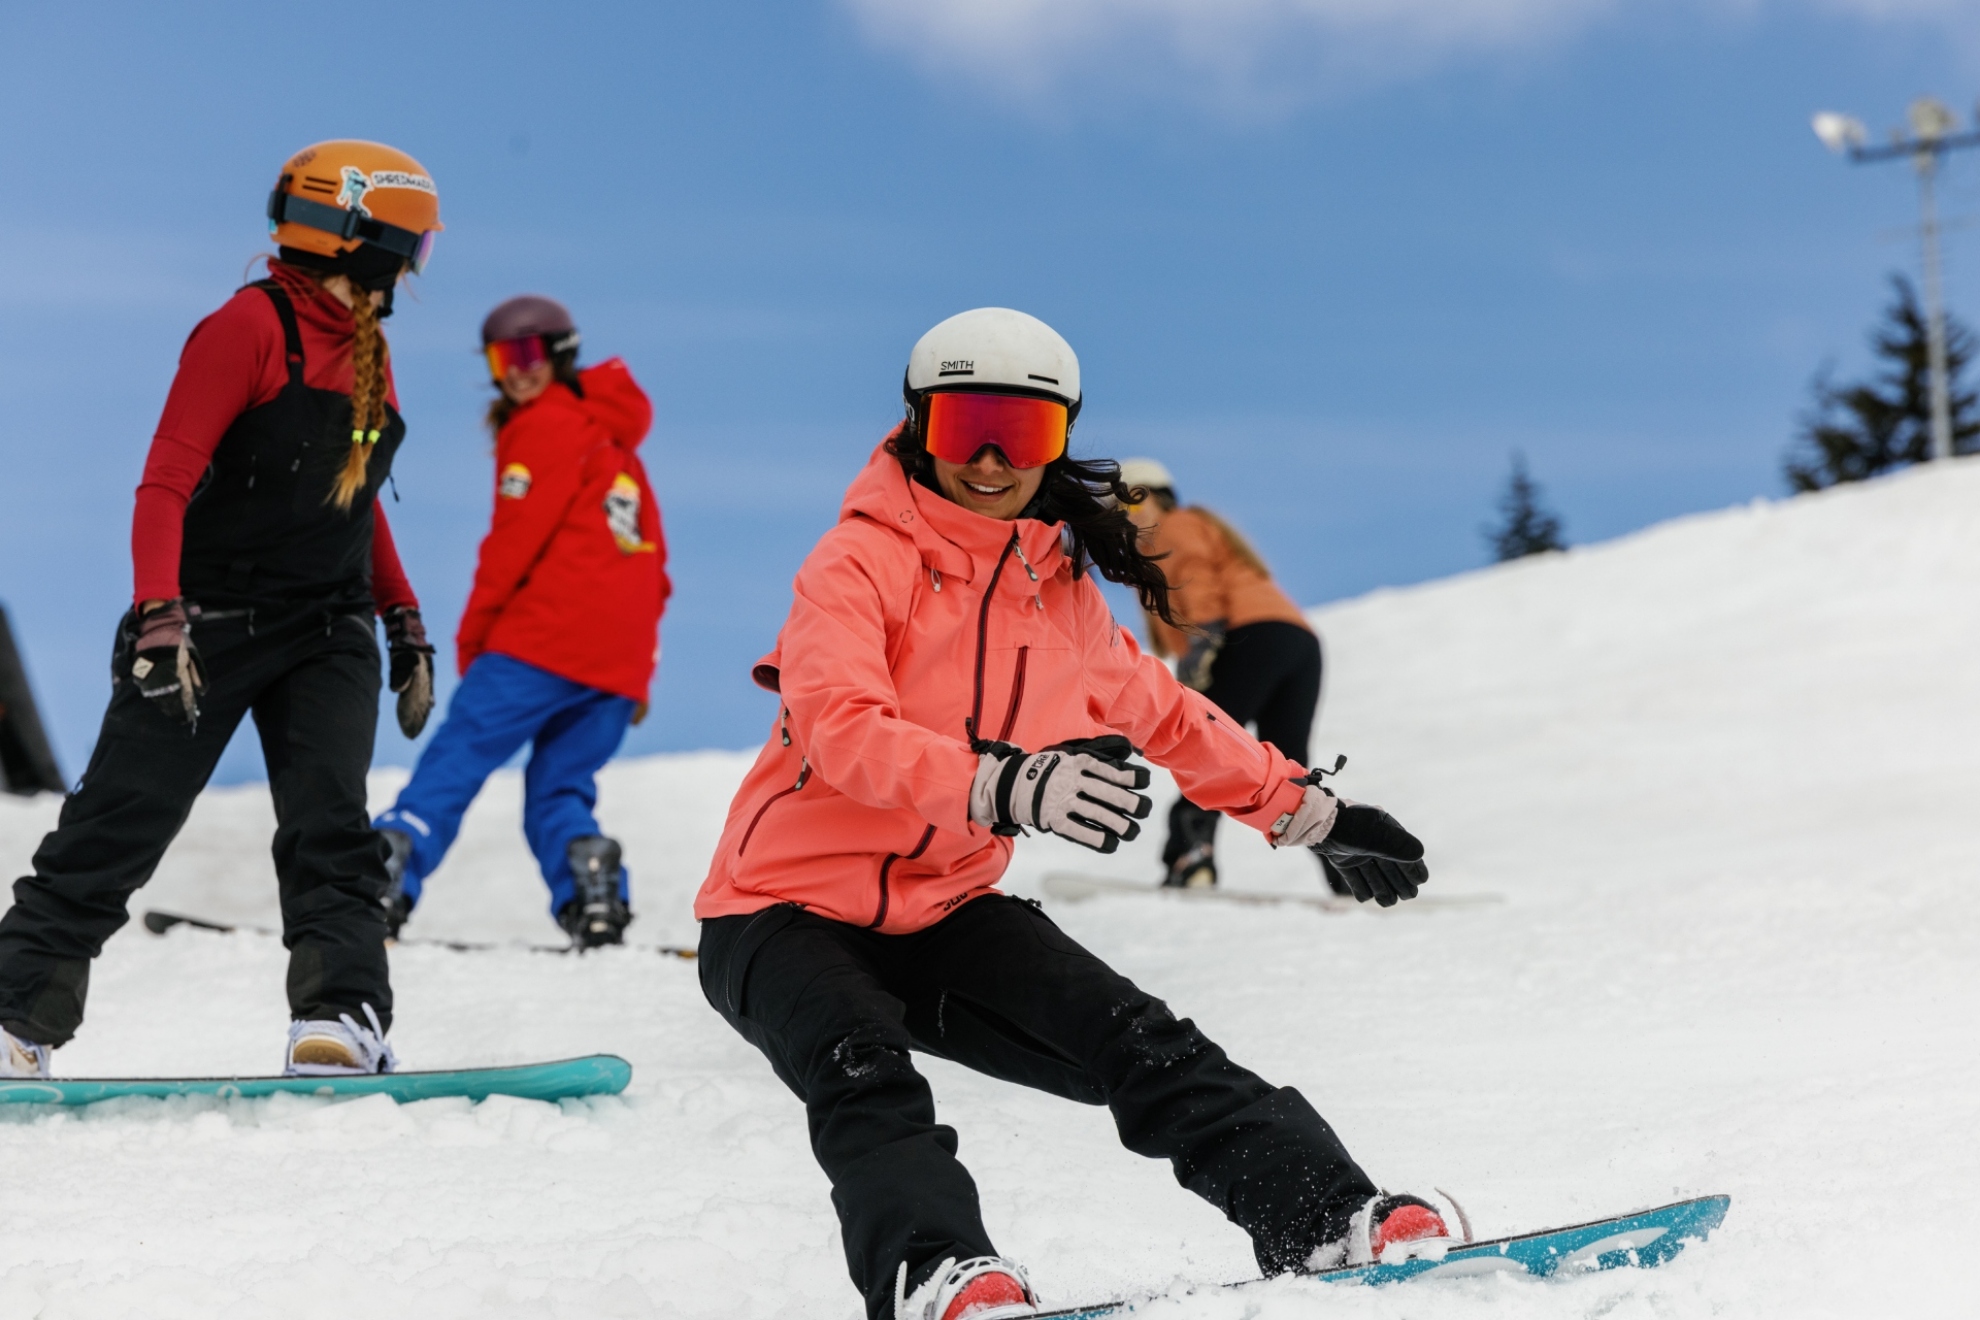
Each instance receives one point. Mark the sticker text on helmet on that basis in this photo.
(958, 367)
(402, 179)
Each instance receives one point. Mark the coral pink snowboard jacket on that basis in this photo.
(916, 625)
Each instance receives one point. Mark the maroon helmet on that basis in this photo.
(531, 316)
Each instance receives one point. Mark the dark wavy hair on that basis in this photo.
(563, 370)
(1086, 496)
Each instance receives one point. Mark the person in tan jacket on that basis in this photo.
(1245, 645)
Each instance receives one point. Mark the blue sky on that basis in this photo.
(1331, 268)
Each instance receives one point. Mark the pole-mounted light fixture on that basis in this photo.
(1934, 134)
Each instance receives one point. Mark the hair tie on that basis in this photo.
(360, 438)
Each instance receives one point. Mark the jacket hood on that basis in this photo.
(615, 401)
(950, 538)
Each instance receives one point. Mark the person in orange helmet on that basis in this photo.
(1242, 643)
(261, 555)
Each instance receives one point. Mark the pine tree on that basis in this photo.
(1526, 527)
(1857, 431)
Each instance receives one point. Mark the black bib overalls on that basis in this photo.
(283, 581)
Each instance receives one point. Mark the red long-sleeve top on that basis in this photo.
(234, 361)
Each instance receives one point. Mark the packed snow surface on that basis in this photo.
(1724, 774)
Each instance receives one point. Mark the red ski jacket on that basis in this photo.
(234, 361)
(915, 621)
(573, 572)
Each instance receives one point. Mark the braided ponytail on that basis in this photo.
(369, 355)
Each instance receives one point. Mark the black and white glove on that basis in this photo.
(1084, 790)
(1372, 855)
(1309, 825)
(168, 671)
(1193, 670)
(411, 665)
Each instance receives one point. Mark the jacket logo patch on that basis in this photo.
(622, 516)
(514, 483)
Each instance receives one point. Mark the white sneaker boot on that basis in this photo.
(339, 1049)
(21, 1058)
(980, 1288)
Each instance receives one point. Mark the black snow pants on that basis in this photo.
(310, 676)
(997, 986)
(1267, 674)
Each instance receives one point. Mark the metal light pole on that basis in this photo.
(1932, 138)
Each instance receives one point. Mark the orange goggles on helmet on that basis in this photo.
(506, 355)
(1030, 432)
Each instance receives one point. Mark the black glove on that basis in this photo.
(412, 667)
(1193, 670)
(1084, 790)
(168, 671)
(1372, 855)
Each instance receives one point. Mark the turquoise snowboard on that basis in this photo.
(595, 1074)
(1644, 1239)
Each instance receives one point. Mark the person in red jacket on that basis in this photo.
(560, 636)
(261, 554)
(946, 624)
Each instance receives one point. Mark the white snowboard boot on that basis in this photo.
(21, 1058)
(339, 1049)
(980, 1288)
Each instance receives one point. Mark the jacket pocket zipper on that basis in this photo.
(804, 773)
(927, 837)
(1017, 695)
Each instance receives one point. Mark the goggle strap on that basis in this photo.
(287, 208)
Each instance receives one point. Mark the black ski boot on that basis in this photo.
(398, 849)
(1191, 852)
(597, 915)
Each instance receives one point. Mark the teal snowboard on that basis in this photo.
(594, 1074)
(1644, 1239)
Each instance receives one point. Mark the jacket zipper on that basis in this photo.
(982, 640)
(927, 836)
(1017, 695)
(804, 773)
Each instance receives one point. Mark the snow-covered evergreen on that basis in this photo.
(1722, 772)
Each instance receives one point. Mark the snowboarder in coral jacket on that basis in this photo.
(950, 677)
(559, 640)
(261, 554)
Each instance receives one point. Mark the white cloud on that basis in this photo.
(1253, 55)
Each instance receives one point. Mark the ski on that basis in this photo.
(1642, 1240)
(564, 1079)
(1077, 887)
(158, 923)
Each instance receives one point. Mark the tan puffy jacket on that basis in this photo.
(1212, 577)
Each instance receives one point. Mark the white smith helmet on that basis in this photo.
(995, 348)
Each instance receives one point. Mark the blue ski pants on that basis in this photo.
(501, 704)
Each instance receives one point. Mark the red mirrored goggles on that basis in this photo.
(506, 355)
(1030, 432)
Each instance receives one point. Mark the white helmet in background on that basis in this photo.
(1146, 473)
(995, 348)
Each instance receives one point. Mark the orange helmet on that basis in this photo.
(337, 197)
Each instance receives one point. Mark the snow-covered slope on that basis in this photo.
(1722, 773)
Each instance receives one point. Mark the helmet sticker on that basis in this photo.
(402, 179)
(356, 185)
(622, 516)
(514, 483)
